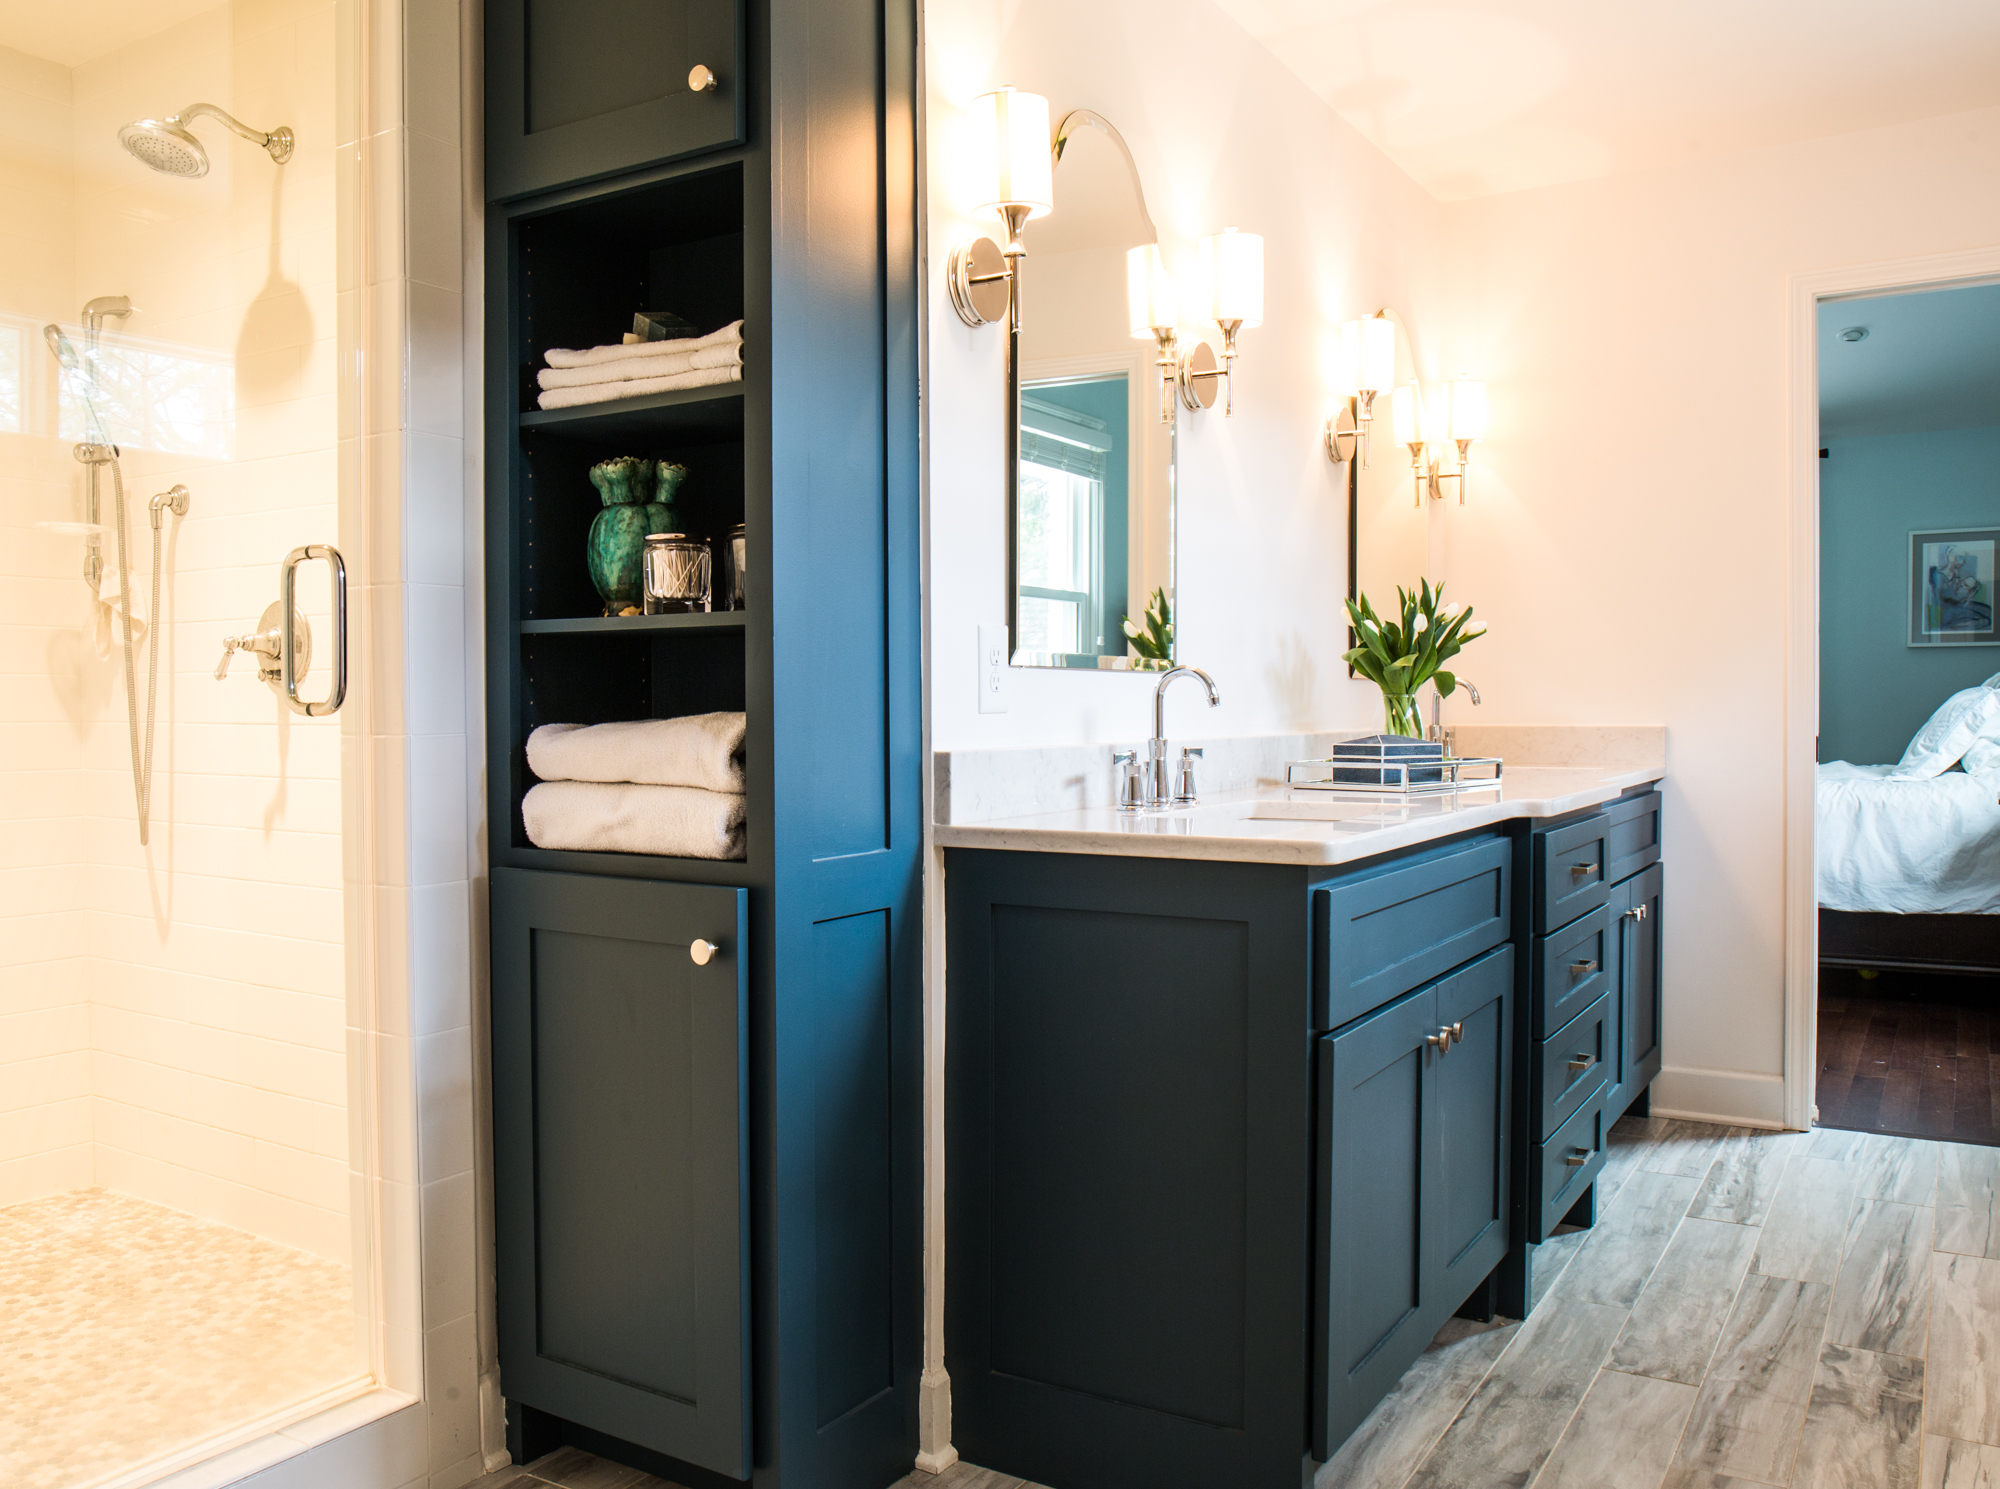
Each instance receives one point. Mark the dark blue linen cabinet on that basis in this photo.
(708, 1175)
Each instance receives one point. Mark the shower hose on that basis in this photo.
(142, 756)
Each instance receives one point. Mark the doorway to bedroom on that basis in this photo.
(1907, 799)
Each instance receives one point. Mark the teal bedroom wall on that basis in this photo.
(1874, 491)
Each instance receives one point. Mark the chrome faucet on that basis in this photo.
(1159, 790)
(1439, 734)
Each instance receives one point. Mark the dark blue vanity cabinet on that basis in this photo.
(708, 1174)
(1590, 1022)
(1226, 1144)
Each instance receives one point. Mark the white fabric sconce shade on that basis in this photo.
(1468, 408)
(1149, 292)
(1406, 410)
(1368, 354)
(1232, 272)
(1010, 142)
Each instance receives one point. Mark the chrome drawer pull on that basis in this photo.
(1578, 870)
(1582, 969)
(1580, 1064)
(1637, 912)
(1577, 1158)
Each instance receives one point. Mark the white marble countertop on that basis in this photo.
(1277, 824)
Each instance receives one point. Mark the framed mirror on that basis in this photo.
(1388, 531)
(1091, 497)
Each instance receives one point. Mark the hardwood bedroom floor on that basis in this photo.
(1752, 1308)
(1910, 1053)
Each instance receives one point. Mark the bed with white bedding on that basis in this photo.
(1910, 847)
(1907, 856)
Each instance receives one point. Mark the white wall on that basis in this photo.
(1224, 135)
(1626, 539)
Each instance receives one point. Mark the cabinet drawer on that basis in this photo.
(1570, 873)
(1379, 934)
(1573, 969)
(1569, 1163)
(1588, 1042)
(1631, 836)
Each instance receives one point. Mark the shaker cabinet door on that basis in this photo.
(578, 89)
(1468, 1224)
(1375, 1188)
(1639, 984)
(620, 1181)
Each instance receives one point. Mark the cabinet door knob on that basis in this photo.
(1583, 968)
(700, 952)
(1441, 1041)
(1578, 870)
(1577, 1157)
(1637, 912)
(1457, 1032)
(700, 79)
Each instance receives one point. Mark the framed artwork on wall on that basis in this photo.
(1951, 587)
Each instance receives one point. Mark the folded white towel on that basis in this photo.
(634, 368)
(703, 749)
(564, 357)
(638, 388)
(672, 821)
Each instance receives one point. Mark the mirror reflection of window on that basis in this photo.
(1074, 493)
(13, 397)
(1094, 485)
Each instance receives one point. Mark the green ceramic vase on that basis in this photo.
(617, 539)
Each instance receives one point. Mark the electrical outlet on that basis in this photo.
(996, 687)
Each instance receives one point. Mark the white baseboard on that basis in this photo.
(1739, 1098)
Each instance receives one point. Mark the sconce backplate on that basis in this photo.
(1340, 434)
(1198, 376)
(977, 274)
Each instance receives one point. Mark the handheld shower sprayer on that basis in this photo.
(170, 147)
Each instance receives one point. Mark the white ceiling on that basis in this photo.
(1929, 361)
(1489, 96)
(73, 32)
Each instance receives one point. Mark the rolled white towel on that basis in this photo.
(703, 749)
(632, 369)
(638, 388)
(565, 357)
(670, 821)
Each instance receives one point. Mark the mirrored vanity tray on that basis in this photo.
(1382, 773)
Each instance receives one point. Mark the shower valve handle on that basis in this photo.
(229, 645)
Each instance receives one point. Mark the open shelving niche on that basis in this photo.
(581, 267)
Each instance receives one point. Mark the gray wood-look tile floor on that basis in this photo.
(1752, 1309)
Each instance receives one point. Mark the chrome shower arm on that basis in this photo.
(278, 141)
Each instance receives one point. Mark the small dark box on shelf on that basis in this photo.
(1383, 759)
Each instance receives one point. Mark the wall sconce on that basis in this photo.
(1464, 423)
(1011, 149)
(1232, 268)
(1368, 369)
(1232, 271)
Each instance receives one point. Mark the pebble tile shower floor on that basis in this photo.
(128, 1330)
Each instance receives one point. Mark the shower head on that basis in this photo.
(170, 147)
(63, 347)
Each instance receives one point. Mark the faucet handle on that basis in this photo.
(1185, 796)
(1132, 784)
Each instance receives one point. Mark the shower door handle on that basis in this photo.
(288, 582)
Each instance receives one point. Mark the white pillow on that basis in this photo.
(1942, 742)
(1981, 756)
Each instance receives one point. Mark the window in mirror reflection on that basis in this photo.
(1075, 477)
